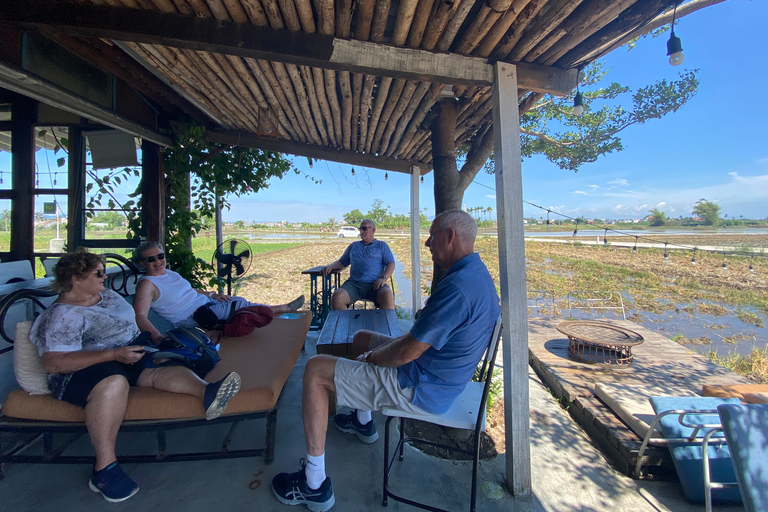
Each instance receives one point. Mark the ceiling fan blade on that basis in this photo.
(225, 270)
(239, 269)
(232, 244)
(245, 254)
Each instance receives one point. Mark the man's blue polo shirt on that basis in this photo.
(457, 321)
(368, 261)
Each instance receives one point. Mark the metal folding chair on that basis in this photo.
(467, 412)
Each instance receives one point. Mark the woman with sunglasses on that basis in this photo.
(171, 296)
(84, 343)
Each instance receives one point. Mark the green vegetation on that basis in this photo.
(708, 211)
(753, 366)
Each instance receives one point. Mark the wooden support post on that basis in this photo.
(415, 243)
(23, 117)
(152, 192)
(509, 208)
(76, 194)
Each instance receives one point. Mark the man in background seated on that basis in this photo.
(422, 371)
(173, 298)
(372, 265)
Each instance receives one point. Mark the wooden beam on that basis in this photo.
(250, 41)
(509, 210)
(23, 117)
(316, 152)
(44, 91)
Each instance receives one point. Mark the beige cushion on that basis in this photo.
(733, 390)
(26, 362)
(264, 359)
(756, 398)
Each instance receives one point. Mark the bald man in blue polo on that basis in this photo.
(372, 264)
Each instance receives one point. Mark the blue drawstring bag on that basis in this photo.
(184, 346)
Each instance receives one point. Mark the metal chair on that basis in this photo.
(467, 412)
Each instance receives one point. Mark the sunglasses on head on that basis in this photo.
(150, 259)
(99, 273)
(365, 228)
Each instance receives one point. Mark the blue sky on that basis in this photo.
(715, 147)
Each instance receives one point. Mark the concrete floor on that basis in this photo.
(569, 474)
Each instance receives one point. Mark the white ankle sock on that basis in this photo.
(364, 417)
(315, 470)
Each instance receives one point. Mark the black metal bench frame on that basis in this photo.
(19, 436)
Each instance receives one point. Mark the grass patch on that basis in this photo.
(749, 318)
(754, 366)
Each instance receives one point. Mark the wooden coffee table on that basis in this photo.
(341, 325)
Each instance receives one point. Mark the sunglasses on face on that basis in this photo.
(150, 259)
(99, 273)
(365, 228)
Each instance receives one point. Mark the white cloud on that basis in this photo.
(762, 160)
(661, 204)
(619, 181)
(580, 192)
(594, 187)
(490, 196)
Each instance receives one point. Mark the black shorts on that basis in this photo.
(83, 381)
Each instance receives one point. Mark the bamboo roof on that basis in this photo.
(350, 81)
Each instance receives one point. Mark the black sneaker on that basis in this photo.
(348, 423)
(113, 484)
(218, 394)
(292, 489)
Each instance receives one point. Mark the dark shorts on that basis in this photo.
(360, 290)
(83, 381)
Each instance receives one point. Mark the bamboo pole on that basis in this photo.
(346, 109)
(481, 25)
(285, 85)
(303, 101)
(365, 106)
(218, 10)
(378, 106)
(236, 11)
(255, 12)
(597, 14)
(325, 17)
(317, 113)
(405, 13)
(333, 101)
(500, 28)
(319, 80)
(304, 9)
(164, 6)
(516, 30)
(402, 104)
(200, 8)
(343, 18)
(264, 76)
(363, 19)
(380, 15)
(272, 10)
(443, 13)
(408, 116)
(357, 86)
(541, 27)
(449, 34)
(389, 107)
(419, 25)
(290, 15)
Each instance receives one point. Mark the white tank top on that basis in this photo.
(177, 300)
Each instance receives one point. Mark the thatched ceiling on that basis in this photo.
(340, 80)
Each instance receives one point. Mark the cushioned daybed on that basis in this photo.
(264, 359)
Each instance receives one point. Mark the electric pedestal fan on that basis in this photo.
(232, 257)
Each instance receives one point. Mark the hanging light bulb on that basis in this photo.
(693, 260)
(353, 171)
(422, 179)
(386, 176)
(751, 268)
(578, 104)
(674, 45)
(548, 217)
(576, 229)
(666, 254)
(634, 249)
(311, 164)
(605, 238)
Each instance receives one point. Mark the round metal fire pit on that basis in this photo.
(594, 342)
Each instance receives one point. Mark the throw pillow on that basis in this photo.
(26, 362)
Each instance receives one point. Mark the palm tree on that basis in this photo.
(657, 217)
